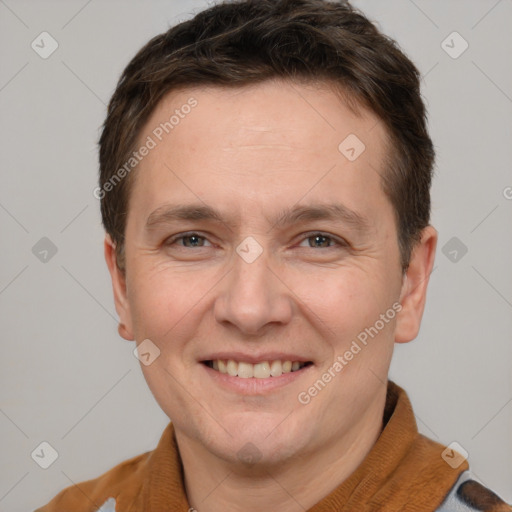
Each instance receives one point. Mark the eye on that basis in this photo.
(324, 241)
(194, 239)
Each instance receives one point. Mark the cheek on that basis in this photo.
(348, 295)
(348, 307)
(158, 301)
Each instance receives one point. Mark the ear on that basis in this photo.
(125, 328)
(414, 287)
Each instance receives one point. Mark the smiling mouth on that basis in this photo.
(262, 370)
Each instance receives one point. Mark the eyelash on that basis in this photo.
(340, 242)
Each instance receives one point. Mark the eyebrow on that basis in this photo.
(336, 212)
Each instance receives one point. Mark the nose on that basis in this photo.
(253, 296)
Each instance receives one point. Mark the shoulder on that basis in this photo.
(120, 485)
(469, 495)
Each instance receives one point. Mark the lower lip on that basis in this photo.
(254, 386)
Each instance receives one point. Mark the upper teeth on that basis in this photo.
(261, 370)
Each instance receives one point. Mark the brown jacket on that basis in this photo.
(403, 471)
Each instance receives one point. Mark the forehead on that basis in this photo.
(273, 112)
(274, 140)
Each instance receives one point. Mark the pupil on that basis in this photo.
(318, 239)
(194, 239)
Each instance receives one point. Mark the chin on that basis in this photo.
(257, 441)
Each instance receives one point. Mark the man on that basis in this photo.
(264, 181)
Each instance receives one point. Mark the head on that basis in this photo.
(264, 180)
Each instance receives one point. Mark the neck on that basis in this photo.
(214, 485)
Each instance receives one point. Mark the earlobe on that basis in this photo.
(118, 278)
(414, 287)
(123, 332)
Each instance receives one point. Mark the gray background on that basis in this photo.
(68, 379)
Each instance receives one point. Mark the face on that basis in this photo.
(262, 263)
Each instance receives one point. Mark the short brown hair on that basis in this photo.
(243, 42)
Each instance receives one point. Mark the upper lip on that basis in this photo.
(255, 358)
